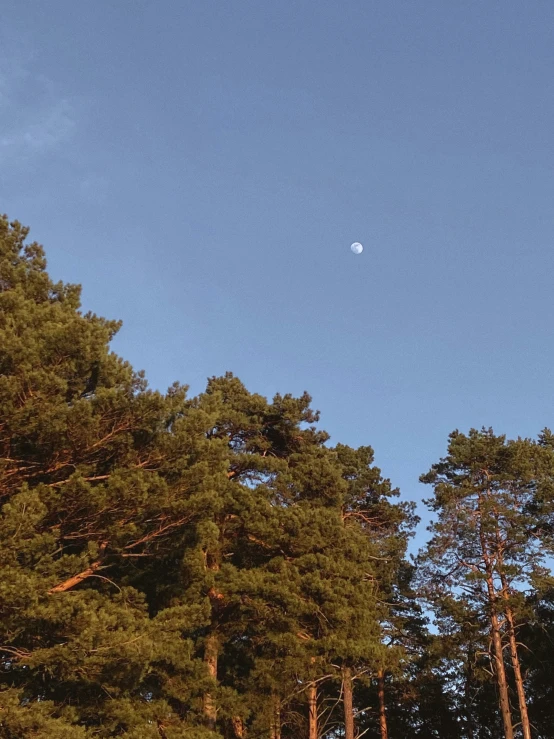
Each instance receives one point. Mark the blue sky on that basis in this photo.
(202, 168)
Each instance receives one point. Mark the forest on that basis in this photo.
(177, 567)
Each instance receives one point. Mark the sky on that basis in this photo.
(201, 168)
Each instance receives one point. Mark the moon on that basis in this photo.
(357, 248)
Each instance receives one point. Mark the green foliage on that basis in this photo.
(189, 568)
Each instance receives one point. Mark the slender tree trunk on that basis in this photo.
(348, 703)
(238, 727)
(211, 645)
(504, 700)
(312, 712)
(467, 694)
(525, 725)
(275, 719)
(490, 561)
(211, 650)
(382, 708)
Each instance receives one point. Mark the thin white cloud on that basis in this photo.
(53, 127)
(34, 117)
(41, 131)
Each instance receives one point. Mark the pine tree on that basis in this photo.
(386, 525)
(212, 568)
(537, 659)
(91, 480)
(486, 543)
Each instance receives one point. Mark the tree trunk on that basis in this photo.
(211, 650)
(312, 712)
(348, 703)
(238, 727)
(525, 725)
(211, 645)
(382, 709)
(275, 718)
(468, 703)
(504, 700)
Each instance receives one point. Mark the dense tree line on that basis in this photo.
(184, 567)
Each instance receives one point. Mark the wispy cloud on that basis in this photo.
(34, 117)
(41, 131)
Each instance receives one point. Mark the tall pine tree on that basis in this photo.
(493, 504)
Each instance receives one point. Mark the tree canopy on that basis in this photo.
(213, 567)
